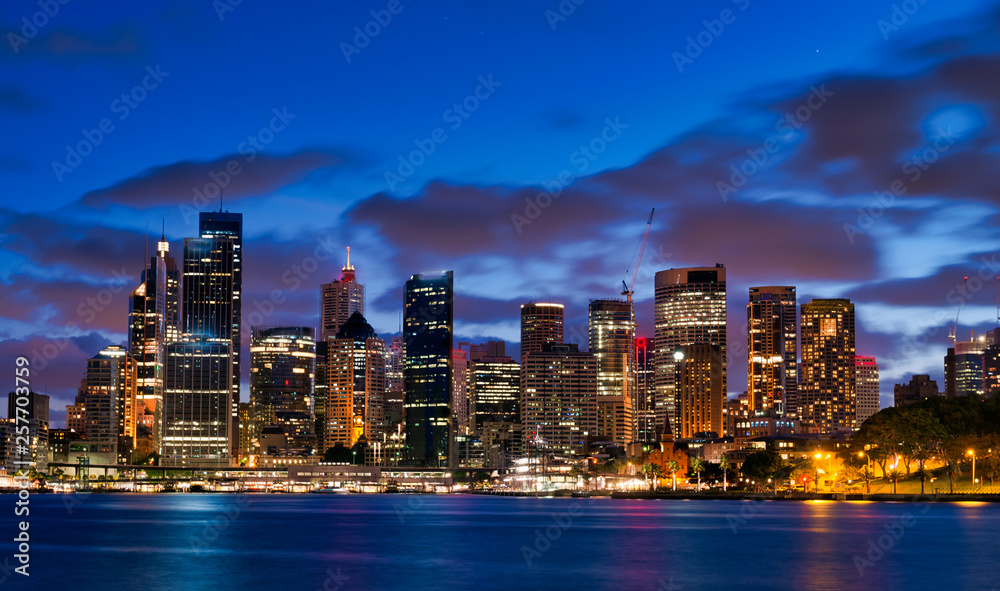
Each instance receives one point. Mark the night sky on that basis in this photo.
(849, 149)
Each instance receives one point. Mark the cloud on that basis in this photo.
(18, 101)
(180, 182)
(120, 40)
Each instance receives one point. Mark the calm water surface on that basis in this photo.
(369, 542)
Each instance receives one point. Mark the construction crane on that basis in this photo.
(954, 328)
(627, 287)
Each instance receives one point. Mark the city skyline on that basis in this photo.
(869, 191)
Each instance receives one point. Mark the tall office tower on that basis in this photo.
(282, 384)
(558, 399)
(698, 390)
(645, 391)
(394, 383)
(172, 300)
(866, 376)
(355, 370)
(460, 392)
(772, 350)
(540, 323)
(220, 224)
(690, 307)
(827, 397)
(495, 404)
(610, 328)
(247, 447)
(146, 340)
(34, 414)
(991, 364)
(427, 324)
(197, 396)
(963, 368)
(320, 390)
(921, 387)
(339, 299)
(108, 395)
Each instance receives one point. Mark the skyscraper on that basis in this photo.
(827, 397)
(866, 377)
(690, 307)
(427, 325)
(540, 323)
(198, 392)
(355, 384)
(460, 392)
(963, 374)
(339, 299)
(108, 395)
(645, 390)
(394, 358)
(282, 382)
(772, 350)
(610, 327)
(698, 390)
(991, 364)
(558, 398)
(222, 225)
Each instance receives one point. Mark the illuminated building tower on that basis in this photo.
(921, 387)
(690, 307)
(427, 326)
(645, 391)
(991, 364)
(494, 401)
(211, 292)
(772, 350)
(247, 447)
(558, 399)
(355, 373)
(108, 397)
(394, 383)
(698, 390)
(460, 392)
(610, 323)
(339, 299)
(866, 377)
(172, 301)
(540, 323)
(197, 396)
(827, 397)
(963, 368)
(282, 379)
(33, 414)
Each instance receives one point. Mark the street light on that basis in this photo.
(973, 454)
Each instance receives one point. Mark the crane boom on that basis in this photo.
(627, 291)
(954, 329)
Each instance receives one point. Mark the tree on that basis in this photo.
(338, 454)
(698, 466)
(894, 475)
(657, 472)
(922, 473)
(761, 465)
(673, 466)
(725, 464)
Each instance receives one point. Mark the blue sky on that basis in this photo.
(865, 132)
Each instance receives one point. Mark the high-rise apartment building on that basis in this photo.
(866, 376)
(282, 384)
(197, 398)
(355, 370)
(772, 350)
(827, 399)
(394, 356)
(690, 307)
(698, 390)
(339, 299)
(427, 329)
(108, 397)
(460, 392)
(540, 323)
(558, 399)
(611, 328)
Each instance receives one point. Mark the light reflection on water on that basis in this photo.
(199, 541)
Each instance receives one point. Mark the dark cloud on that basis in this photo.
(18, 101)
(180, 183)
(117, 41)
(944, 288)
